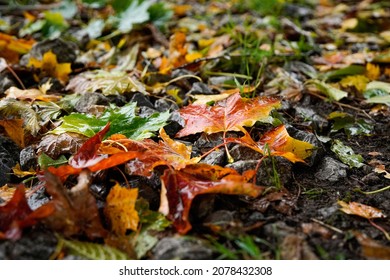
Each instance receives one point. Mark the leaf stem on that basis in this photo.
(372, 192)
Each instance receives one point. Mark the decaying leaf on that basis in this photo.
(372, 249)
(76, 211)
(230, 114)
(365, 211)
(120, 209)
(17, 215)
(108, 83)
(179, 188)
(49, 66)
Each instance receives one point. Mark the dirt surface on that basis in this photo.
(292, 52)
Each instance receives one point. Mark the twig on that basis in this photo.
(387, 235)
(328, 226)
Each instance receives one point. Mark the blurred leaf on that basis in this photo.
(159, 14)
(17, 215)
(136, 12)
(372, 249)
(332, 92)
(30, 94)
(347, 71)
(44, 161)
(379, 99)
(49, 67)
(11, 47)
(379, 85)
(109, 83)
(357, 81)
(362, 210)
(93, 251)
(11, 108)
(14, 129)
(120, 209)
(346, 154)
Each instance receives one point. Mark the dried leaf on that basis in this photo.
(30, 94)
(17, 215)
(179, 188)
(120, 209)
(372, 249)
(230, 114)
(49, 66)
(15, 130)
(362, 210)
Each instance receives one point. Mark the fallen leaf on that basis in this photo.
(76, 211)
(330, 91)
(49, 66)
(120, 209)
(346, 154)
(362, 210)
(30, 94)
(11, 48)
(179, 188)
(381, 169)
(14, 129)
(230, 114)
(372, 249)
(17, 215)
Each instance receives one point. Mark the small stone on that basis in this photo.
(331, 170)
(240, 152)
(181, 248)
(141, 100)
(200, 88)
(217, 157)
(88, 100)
(175, 123)
(9, 156)
(28, 158)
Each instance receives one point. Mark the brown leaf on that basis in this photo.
(372, 249)
(65, 143)
(15, 130)
(362, 210)
(76, 212)
(230, 114)
(17, 215)
(179, 188)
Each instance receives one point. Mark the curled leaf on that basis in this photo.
(362, 210)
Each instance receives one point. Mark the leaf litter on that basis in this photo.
(151, 119)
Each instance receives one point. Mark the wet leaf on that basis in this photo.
(277, 142)
(362, 210)
(349, 124)
(120, 209)
(44, 161)
(346, 154)
(76, 212)
(122, 121)
(231, 114)
(17, 215)
(62, 144)
(180, 187)
(49, 66)
(93, 251)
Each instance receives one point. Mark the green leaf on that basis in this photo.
(379, 99)
(45, 161)
(377, 92)
(346, 154)
(351, 126)
(135, 13)
(159, 14)
(95, 3)
(379, 85)
(123, 121)
(93, 251)
(332, 92)
(347, 71)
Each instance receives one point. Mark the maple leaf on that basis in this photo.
(277, 142)
(179, 188)
(17, 214)
(15, 130)
(120, 209)
(76, 212)
(230, 114)
(49, 66)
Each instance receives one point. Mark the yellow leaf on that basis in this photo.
(49, 66)
(373, 71)
(358, 81)
(120, 209)
(20, 173)
(193, 56)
